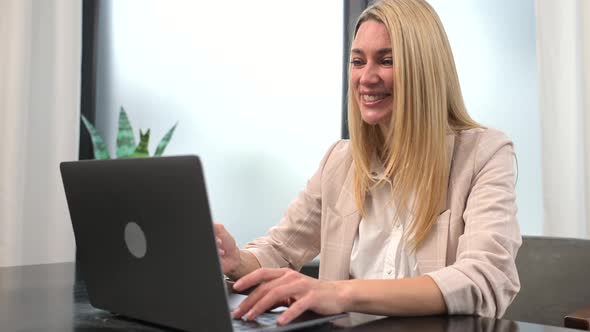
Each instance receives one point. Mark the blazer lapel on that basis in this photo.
(341, 225)
(342, 222)
(450, 156)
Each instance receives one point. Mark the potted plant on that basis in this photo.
(126, 146)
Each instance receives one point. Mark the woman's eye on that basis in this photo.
(387, 62)
(357, 62)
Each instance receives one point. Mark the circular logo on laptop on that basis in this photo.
(135, 240)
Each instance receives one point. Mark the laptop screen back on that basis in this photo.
(145, 240)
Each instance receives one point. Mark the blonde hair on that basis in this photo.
(428, 105)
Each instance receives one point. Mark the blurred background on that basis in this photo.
(258, 90)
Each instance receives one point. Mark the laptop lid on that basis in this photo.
(146, 244)
(145, 240)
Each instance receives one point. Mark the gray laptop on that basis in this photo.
(146, 246)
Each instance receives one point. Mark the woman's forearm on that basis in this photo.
(393, 297)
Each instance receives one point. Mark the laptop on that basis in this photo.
(146, 245)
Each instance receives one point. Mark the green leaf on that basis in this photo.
(100, 149)
(125, 137)
(164, 142)
(142, 148)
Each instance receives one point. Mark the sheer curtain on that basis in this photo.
(563, 34)
(39, 119)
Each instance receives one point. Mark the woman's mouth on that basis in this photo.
(373, 99)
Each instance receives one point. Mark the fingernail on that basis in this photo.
(234, 313)
(281, 320)
(250, 315)
(221, 252)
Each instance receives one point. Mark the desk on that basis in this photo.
(50, 298)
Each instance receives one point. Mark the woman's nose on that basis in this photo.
(370, 75)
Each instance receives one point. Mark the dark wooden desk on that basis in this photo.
(50, 298)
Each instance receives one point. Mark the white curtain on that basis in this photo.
(39, 118)
(563, 34)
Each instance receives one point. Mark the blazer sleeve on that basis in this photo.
(484, 280)
(296, 239)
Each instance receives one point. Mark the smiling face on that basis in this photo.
(371, 73)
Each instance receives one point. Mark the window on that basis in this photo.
(256, 87)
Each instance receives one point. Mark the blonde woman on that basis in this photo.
(415, 214)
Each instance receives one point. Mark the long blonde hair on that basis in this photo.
(428, 105)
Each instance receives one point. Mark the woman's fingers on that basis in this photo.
(269, 300)
(257, 277)
(296, 309)
(264, 279)
(295, 290)
(226, 248)
(279, 286)
(218, 229)
(220, 246)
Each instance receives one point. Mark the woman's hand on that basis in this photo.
(288, 287)
(229, 253)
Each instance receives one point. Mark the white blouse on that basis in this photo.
(378, 251)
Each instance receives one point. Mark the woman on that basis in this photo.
(416, 214)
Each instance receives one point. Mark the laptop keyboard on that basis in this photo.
(262, 322)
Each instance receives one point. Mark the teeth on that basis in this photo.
(372, 97)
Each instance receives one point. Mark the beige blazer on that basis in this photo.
(470, 251)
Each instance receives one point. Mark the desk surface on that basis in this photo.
(49, 298)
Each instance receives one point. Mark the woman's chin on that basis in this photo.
(376, 118)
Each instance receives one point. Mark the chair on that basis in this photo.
(311, 269)
(555, 282)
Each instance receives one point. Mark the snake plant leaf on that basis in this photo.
(142, 148)
(164, 142)
(125, 137)
(98, 146)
